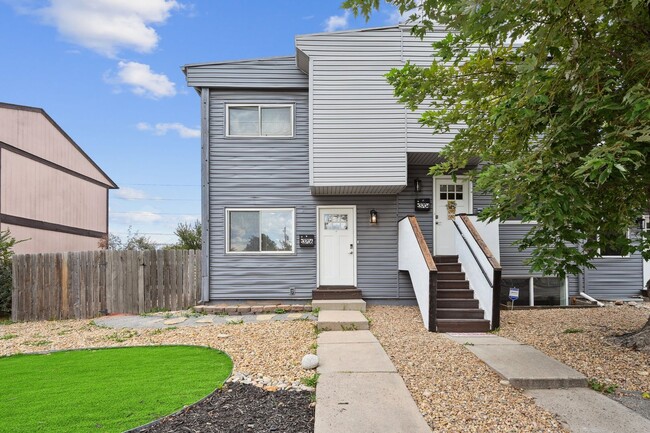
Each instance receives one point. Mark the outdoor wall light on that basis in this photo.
(373, 217)
(418, 184)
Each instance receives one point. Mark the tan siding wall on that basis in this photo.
(34, 133)
(45, 241)
(32, 190)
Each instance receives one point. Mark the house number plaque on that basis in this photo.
(422, 204)
(306, 241)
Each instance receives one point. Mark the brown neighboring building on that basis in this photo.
(51, 192)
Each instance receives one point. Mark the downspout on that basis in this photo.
(205, 195)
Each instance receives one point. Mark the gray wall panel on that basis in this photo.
(614, 277)
(259, 172)
(271, 73)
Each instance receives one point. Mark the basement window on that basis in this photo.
(266, 231)
(535, 290)
(259, 120)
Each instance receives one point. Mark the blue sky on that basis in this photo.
(108, 72)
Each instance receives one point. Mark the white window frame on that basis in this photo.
(259, 120)
(261, 209)
(531, 286)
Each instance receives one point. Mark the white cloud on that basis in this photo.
(162, 129)
(107, 26)
(142, 80)
(142, 217)
(130, 194)
(337, 22)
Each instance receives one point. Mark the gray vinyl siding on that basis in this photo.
(271, 73)
(614, 277)
(262, 172)
(360, 133)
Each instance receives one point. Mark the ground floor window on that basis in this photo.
(535, 290)
(260, 230)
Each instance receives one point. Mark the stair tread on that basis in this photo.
(462, 320)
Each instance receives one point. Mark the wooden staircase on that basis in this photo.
(456, 308)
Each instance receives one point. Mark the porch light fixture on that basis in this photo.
(418, 184)
(373, 217)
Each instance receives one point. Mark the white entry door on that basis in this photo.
(337, 249)
(450, 198)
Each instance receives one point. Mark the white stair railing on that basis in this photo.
(415, 257)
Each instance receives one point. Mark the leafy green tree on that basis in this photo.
(189, 236)
(134, 241)
(7, 242)
(554, 97)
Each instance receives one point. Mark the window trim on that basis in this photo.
(260, 209)
(291, 107)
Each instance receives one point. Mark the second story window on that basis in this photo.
(259, 120)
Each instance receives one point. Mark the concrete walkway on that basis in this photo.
(359, 389)
(555, 387)
(161, 320)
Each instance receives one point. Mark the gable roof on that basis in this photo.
(92, 169)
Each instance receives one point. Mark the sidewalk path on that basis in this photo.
(554, 386)
(160, 320)
(359, 389)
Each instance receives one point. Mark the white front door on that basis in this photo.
(449, 198)
(336, 246)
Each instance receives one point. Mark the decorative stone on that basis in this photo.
(204, 320)
(632, 304)
(243, 309)
(265, 317)
(223, 335)
(504, 382)
(618, 302)
(174, 321)
(427, 393)
(230, 309)
(294, 316)
(309, 362)
(257, 309)
(270, 388)
(643, 373)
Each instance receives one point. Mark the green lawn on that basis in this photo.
(105, 390)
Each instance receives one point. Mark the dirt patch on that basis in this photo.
(239, 408)
(453, 389)
(582, 339)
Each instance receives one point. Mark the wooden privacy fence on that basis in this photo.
(82, 285)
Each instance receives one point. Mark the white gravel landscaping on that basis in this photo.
(269, 351)
(580, 338)
(453, 389)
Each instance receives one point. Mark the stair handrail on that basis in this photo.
(495, 283)
(432, 270)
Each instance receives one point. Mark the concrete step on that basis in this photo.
(445, 259)
(339, 304)
(453, 284)
(449, 267)
(462, 325)
(459, 313)
(451, 276)
(455, 294)
(337, 320)
(457, 303)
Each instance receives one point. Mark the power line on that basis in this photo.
(162, 184)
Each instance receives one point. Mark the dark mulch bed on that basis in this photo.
(241, 408)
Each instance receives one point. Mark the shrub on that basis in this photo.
(7, 243)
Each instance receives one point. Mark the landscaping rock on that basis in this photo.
(618, 302)
(309, 362)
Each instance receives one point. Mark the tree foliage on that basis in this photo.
(555, 97)
(7, 243)
(134, 241)
(189, 236)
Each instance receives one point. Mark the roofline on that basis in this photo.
(225, 62)
(365, 29)
(111, 185)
